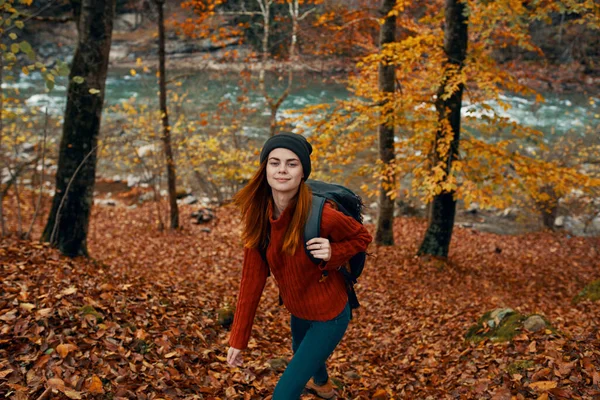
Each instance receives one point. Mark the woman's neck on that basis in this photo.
(281, 200)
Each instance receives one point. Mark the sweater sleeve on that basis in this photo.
(254, 277)
(346, 235)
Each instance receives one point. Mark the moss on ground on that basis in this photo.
(520, 366)
(500, 325)
(590, 292)
(88, 309)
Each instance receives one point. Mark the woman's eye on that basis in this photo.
(293, 165)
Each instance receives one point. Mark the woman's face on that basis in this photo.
(284, 171)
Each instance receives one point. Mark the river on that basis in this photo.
(558, 114)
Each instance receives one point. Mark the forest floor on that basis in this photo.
(139, 319)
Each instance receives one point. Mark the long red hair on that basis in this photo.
(254, 200)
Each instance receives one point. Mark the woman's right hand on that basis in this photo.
(234, 357)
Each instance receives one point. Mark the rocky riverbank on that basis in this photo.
(135, 40)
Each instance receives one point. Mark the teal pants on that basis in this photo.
(312, 343)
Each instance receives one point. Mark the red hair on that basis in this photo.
(254, 201)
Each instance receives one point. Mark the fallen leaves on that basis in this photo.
(59, 384)
(140, 321)
(64, 349)
(543, 385)
(94, 385)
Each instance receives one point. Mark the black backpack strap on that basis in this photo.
(263, 253)
(312, 229)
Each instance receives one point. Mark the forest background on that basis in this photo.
(476, 151)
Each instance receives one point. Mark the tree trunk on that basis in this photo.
(2, 224)
(171, 175)
(387, 74)
(548, 208)
(68, 222)
(443, 209)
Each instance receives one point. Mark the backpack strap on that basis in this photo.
(263, 254)
(312, 229)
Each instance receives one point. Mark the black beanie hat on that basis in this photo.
(291, 141)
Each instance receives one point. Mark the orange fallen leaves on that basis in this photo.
(543, 385)
(94, 385)
(64, 349)
(157, 334)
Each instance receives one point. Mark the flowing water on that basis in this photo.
(559, 113)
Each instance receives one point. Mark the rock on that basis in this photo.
(118, 52)
(473, 208)
(27, 147)
(133, 180)
(189, 200)
(148, 149)
(352, 375)
(374, 206)
(595, 225)
(559, 221)
(508, 212)
(278, 364)
(574, 225)
(498, 315)
(534, 323)
(503, 324)
(577, 193)
(148, 196)
(105, 202)
(197, 45)
(225, 316)
(203, 216)
(127, 21)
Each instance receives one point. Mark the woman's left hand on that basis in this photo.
(319, 248)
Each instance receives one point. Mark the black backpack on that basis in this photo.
(347, 202)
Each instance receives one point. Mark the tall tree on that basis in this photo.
(68, 222)
(166, 138)
(387, 79)
(448, 104)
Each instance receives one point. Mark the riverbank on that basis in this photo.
(183, 53)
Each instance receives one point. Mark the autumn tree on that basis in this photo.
(20, 125)
(68, 221)
(448, 104)
(387, 83)
(485, 160)
(166, 138)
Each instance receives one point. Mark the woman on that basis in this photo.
(275, 205)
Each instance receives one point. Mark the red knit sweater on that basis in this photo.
(298, 277)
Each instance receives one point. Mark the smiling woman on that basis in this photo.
(275, 206)
(284, 174)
